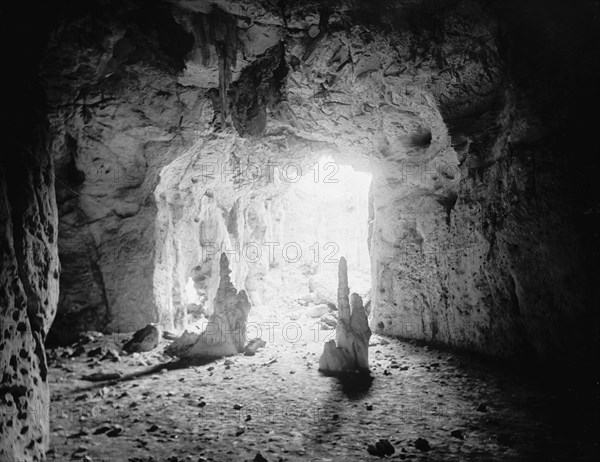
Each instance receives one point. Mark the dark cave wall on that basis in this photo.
(28, 299)
(29, 266)
(540, 211)
(507, 271)
(117, 118)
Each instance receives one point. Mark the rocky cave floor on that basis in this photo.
(429, 404)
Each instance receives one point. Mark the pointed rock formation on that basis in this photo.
(351, 353)
(225, 333)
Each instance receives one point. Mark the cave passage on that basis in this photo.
(291, 265)
(324, 216)
(286, 230)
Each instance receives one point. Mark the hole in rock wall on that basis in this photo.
(283, 239)
(324, 217)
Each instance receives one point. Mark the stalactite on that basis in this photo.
(225, 39)
(219, 29)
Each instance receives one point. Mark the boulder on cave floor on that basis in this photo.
(225, 332)
(328, 321)
(253, 346)
(350, 351)
(145, 339)
(316, 311)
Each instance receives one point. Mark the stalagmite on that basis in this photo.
(225, 333)
(351, 352)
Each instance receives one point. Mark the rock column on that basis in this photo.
(351, 353)
(225, 333)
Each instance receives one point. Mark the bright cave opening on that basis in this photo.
(325, 217)
(289, 254)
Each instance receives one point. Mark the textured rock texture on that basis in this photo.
(225, 332)
(495, 263)
(29, 272)
(158, 109)
(475, 118)
(199, 217)
(350, 350)
(29, 266)
(124, 108)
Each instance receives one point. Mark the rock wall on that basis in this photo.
(473, 117)
(29, 273)
(498, 274)
(498, 265)
(122, 106)
(29, 266)
(199, 217)
(446, 103)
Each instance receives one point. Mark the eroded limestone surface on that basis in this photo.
(473, 118)
(29, 272)
(225, 332)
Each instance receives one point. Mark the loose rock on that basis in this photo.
(317, 311)
(145, 339)
(116, 430)
(422, 444)
(381, 448)
(253, 346)
(457, 434)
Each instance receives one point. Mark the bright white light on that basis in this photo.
(326, 215)
(328, 179)
(190, 294)
(331, 209)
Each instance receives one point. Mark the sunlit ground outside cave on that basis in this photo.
(253, 230)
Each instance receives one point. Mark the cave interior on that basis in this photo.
(299, 230)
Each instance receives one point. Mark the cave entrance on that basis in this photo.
(322, 216)
(283, 235)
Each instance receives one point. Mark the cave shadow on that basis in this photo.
(353, 385)
(182, 363)
(334, 413)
